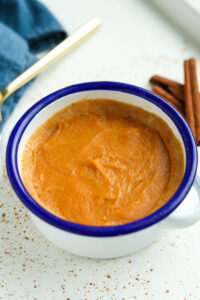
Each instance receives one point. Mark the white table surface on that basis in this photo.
(135, 42)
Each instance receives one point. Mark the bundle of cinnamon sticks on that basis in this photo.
(184, 97)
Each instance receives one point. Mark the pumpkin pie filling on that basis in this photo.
(102, 162)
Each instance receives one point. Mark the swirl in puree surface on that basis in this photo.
(102, 162)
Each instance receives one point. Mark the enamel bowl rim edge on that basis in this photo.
(102, 231)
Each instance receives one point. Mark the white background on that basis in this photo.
(134, 42)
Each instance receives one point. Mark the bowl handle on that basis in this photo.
(182, 220)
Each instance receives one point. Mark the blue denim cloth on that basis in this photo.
(26, 28)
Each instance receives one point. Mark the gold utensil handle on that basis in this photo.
(58, 51)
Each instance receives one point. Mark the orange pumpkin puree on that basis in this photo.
(102, 162)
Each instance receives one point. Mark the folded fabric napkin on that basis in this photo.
(26, 28)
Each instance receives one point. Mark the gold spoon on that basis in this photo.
(62, 48)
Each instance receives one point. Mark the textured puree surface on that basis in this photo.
(102, 162)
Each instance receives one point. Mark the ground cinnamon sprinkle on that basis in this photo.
(136, 278)
(184, 97)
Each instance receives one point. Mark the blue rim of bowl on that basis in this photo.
(101, 231)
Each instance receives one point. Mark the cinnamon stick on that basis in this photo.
(195, 96)
(189, 108)
(177, 92)
(162, 81)
(185, 98)
(168, 97)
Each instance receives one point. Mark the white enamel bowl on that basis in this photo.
(104, 241)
